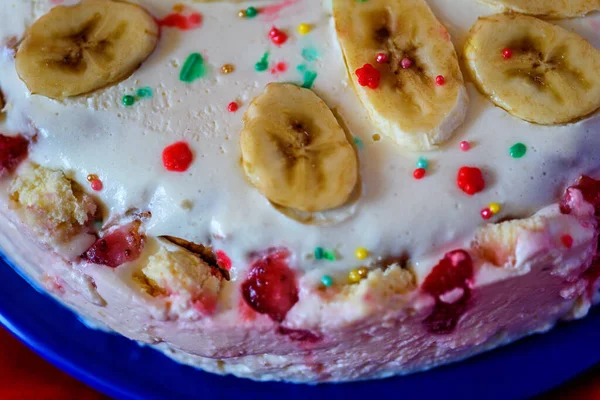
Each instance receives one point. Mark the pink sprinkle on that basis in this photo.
(272, 12)
(486, 213)
(382, 58)
(406, 63)
(440, 80)
(233, 106)
(465, 146)
(507, 53)
(96, 185)
(567, 241)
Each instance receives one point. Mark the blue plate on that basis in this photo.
(124, 370)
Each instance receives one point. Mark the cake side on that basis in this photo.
(244, 203)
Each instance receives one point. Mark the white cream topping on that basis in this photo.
(96, 134)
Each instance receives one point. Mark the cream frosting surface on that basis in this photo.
(213, 203)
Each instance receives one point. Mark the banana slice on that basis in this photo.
(77, 49)
(549, 8)
(535, 70)
(421, 97)
(295, 152)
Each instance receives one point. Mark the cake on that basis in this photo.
(305, 190)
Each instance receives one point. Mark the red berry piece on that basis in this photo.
(453, 273)
(368, 76)
(13, 150)
(278, 37)
(440, 80)
(299, 335)
(223, 260)
(507, 53)
(382, 58)
(122, 245)
(177, 157)
(589, 188)
(419, 173)
(270, 287)
(470, 180)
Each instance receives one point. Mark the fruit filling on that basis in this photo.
(271, 287)
(119, 246)
(13, 150)
(449, 284)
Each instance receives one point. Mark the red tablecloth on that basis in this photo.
(25, 376)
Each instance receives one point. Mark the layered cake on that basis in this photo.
(305, 190)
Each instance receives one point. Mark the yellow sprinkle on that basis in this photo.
(494, 208)
(376, 137)
(178, 7)
(227, 69)
(354, 276)
(242, 13)
(303, 29)
(363, 272)
(92, 177)
(361, 253)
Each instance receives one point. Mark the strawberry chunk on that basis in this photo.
(589, 188)
(122, 245)
(452, 273)
(13, 150)
(270, 287)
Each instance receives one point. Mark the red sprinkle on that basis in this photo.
(369, 76)
(507, 53)
(181, 22)
(406, 63)
(223, 260)
(486, 213)
(382, 58)
(281, 67)
(233, 107)
(419, 173)
(567, 241)
(470, 180)
(277, 36)
(465, 146)
(97, 185)
(177, 157)
(440, 80)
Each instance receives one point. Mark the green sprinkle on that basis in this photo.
(518, 150)
(251, 12)
(330, 255)
(263, 64)
(309, 79)
(358, 142)
(128, 101)
(144, 92)
(319, 253)
(422, 163)
(193, 68)
(327, 280)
